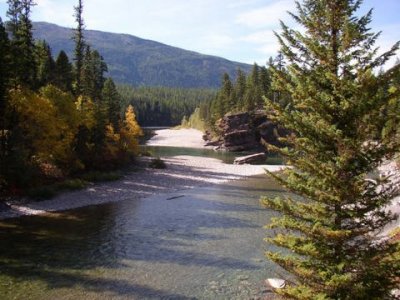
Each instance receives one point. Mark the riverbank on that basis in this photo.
(185, 137)
(182, 172)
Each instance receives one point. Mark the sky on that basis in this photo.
(239, 30)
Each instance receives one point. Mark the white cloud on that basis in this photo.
(215, 42)
(259, 37)
(58, 12)
(267, 16)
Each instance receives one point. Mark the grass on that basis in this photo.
(49, 191)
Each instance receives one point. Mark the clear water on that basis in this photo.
(226, 157)
(207, 244)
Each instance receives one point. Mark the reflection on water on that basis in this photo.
(207, 244)
(226, 157)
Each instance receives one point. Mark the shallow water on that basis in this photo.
(226, 157)
(204, 243)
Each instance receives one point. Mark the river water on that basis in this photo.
(203, 243)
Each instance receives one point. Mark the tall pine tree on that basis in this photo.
(343, 120)
(79, 52)
(64, 76)
(22, 42)
(112, 100)
(46, 66)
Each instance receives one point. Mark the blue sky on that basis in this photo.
(239, 30)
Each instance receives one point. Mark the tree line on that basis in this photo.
(57, 118)
(243, 94)
(163, 106)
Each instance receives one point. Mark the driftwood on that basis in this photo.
(258, 157)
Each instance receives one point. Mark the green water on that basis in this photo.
(206, 243)
(226, 157)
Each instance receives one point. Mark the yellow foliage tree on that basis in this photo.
(86, 111)
(66, 112)
(45, 134)
(130, 132)
(112, 143)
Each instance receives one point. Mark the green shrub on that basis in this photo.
(72, 184)
(157, 163)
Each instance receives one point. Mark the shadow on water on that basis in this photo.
(151, 248)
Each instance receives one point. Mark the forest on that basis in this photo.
(163, 106)
(57, 118)
(245, 93)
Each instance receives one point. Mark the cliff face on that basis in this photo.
(246, 131)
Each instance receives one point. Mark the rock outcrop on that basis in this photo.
(245, 131)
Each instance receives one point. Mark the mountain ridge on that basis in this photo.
(137, 61)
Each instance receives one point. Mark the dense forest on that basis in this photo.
(163, 106)
(57, 118)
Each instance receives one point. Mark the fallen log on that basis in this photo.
(258, 157)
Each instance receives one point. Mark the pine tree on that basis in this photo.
(111, 98)
(343, 120)
(22, 42)
(79, 52)
(226, 95)
(46, 66)
(92, 79)
(240, 89)
(63, 78)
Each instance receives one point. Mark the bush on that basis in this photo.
(72, 184)
(157, 163)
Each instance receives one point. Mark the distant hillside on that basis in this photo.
(137, 61)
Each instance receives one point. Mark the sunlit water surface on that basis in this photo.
(206, 243)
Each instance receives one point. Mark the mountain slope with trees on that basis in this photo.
(136, 61)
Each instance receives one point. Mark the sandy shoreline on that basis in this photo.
(183, 172)
(186, 138)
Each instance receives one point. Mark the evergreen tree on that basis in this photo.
(265, 82)
(240, 89)
(112, 99)
(46, 66)
(343, 120)
(93, 69)
(63, 78)
(79, 52)
(22, 42)
(226, 95)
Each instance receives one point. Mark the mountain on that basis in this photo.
(137, 61)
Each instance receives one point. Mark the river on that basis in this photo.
(202, 243)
